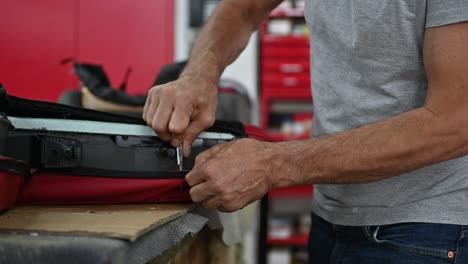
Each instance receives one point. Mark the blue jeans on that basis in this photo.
(415, 243)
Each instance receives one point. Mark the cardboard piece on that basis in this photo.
(116, 221)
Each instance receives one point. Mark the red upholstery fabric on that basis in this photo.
(10, 185)
(47, 188)
(64, 189)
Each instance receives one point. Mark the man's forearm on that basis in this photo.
(433, 133)
(373, 152)
(225, 35)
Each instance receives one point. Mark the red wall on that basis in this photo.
(36, 35)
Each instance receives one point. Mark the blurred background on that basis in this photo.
(268, 86)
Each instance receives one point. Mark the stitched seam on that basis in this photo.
(417, 250)
(337, 250)
(408, 248)
(367, 232)
(463, 233)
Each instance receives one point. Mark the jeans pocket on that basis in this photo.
(436, 240)
(462, 247)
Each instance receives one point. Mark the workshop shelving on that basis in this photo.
(288, 226)
(286, 112)
(284, 66)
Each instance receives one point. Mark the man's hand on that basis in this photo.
(229, 176)
(180, 110)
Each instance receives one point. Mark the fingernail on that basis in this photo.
(175, 142)
(186, 151)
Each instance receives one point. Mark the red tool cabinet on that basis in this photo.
(285, 80)
(284, 71)
(37, 35)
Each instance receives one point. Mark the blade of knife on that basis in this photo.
(180, 157)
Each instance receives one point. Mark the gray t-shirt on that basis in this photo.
(367, 66)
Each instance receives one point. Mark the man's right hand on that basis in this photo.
(178, 111)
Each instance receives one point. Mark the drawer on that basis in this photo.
(286, 93)
(285, 41)
(300, 53)
(286, 66)
(285, 80)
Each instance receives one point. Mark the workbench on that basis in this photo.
(68, 235)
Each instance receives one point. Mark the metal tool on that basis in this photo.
(180, 157)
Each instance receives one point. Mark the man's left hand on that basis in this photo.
(229, 176)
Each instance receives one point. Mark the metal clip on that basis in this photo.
(57, 152)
